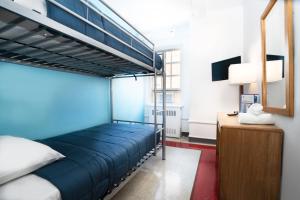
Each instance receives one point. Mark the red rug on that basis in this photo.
(205, 184)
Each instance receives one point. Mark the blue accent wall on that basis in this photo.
(128, 99)
(39, 103)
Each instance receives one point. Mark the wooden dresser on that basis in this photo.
(249, 160)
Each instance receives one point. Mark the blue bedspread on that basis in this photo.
(96, 158)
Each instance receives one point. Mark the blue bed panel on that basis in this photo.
(137, 55)
(112, 42)
(64, 17)
(73, 22)
(95, 18)
(114, 30)
(142, 48)
(158, 62)
(94, 33)
(76, 6)
(125, 49)
(91, 31)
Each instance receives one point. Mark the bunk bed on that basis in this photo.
(88, 37)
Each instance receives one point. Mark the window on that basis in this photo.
(172, 67)
(172, 60)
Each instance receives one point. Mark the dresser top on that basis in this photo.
(232, 122)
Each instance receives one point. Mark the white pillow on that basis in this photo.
(20, 156)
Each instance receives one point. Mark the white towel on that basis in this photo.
(255, 109)
(247, 118)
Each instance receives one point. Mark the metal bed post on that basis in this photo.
(111, 101)
(155, 109)
(155, 105)
(164, 111)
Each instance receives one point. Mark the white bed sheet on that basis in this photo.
(28, 187)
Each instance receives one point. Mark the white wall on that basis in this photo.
(201, 44)
(216, 36)
(291, 126)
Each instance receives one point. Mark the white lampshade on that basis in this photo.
(242, 73)
(274, 70)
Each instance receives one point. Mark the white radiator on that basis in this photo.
(173, 124)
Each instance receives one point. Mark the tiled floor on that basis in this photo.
(171, 179)
(181, 139)
(206, 181)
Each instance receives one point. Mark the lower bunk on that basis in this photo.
(97, 160)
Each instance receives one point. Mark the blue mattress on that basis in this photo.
(96, 158)
(63, 17)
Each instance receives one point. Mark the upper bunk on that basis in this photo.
(84, 36)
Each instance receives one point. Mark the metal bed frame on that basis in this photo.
(29, 38)
(162, 125)
(49, 44)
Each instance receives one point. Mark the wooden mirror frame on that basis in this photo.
(288, 12)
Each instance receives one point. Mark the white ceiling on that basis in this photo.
(150, 15)
(147, 15)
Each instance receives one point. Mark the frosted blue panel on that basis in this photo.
(40, 103)
(128, 99)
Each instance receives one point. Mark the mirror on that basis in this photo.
(277, 56)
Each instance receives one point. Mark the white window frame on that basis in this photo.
(170, 91)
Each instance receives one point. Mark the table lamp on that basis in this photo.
(240, 74)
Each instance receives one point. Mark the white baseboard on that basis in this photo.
(202, 129)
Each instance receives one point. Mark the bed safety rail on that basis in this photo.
(109, 14)
(135, 122)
